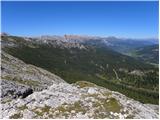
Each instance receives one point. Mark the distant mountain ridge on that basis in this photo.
(121, 45)
(111, 41)
(84, 38)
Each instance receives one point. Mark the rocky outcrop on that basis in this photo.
(20, 79)
(4, 34)
(80, 100)
(54, 41)
(14, 90)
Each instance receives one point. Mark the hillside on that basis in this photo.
(60, 99)
(21, 80)
(148, 54)
(76, 61)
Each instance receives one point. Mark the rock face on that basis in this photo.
(13, 90)
(31, 92)
(65, 100)
(20, 79)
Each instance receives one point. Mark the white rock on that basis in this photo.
(89, 104)
(121, 116)
(28, 114)
(111, 113)
(73, 111)
(128, 102)
(115, 114)
(92, 91)
(81, 116)
(125, 110)
(125, 115)
(108, 100)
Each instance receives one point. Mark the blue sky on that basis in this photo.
(121, 19)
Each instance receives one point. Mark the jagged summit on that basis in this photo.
(78, 37)
(4, 34)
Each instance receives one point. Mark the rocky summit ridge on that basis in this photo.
(31, 92)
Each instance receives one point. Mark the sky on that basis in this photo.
(120, 19)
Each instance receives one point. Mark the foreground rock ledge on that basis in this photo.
(79, 100)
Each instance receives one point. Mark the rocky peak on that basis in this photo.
(4, 34)
(69, 37)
